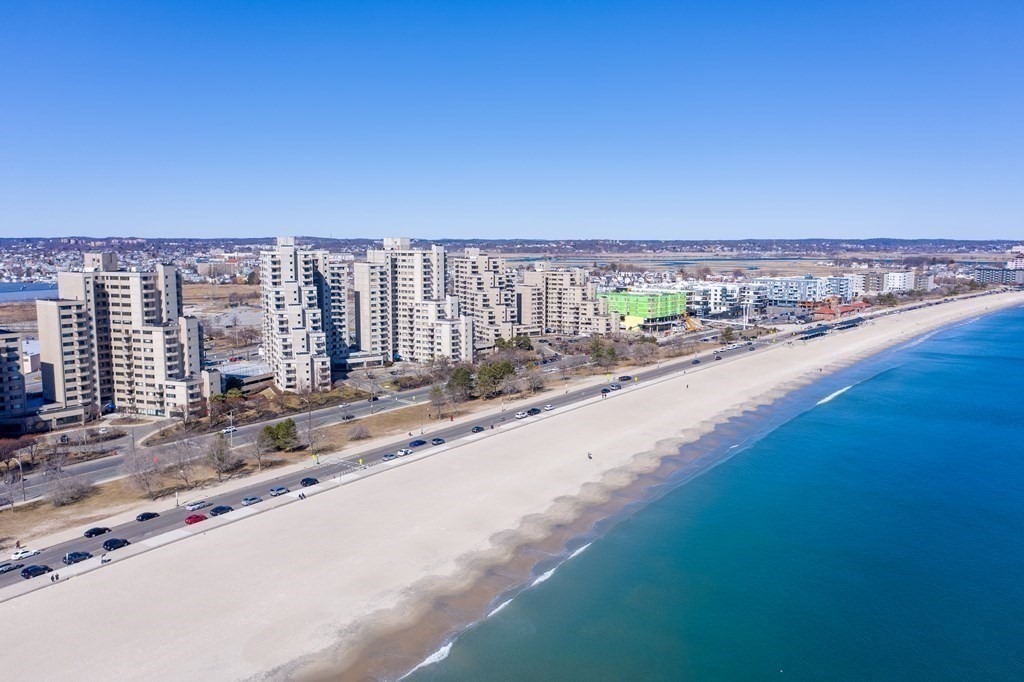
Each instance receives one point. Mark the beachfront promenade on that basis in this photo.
(368, 548)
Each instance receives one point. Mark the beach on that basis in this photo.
(319, 588)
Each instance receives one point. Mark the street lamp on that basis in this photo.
(21, 475)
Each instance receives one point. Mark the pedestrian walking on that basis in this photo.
(590, 456)
(452, 418)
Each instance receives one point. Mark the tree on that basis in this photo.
(181, 463)
(534, 380)
(284, 434)
(728, 336)
(142, 469)
(490, 375)
(220, 458)
(218, 407)
(438, 399)
(460, 384)
(311, 438)
(358, 432)
(64, 490)
(260, 446)
(644, 353)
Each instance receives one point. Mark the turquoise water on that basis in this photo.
(879, 535)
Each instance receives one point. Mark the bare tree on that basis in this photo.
(534, 380)
(644, 353)
(65, 490)
(142, 469)
(262, 444)
(438, 398)
(358, 432)
(220, 458)
(311, 438)
(181, 463)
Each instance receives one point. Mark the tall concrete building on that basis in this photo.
(400, 299)
(486, 290)
(13, 405)
(305, 328)
(568, 302)
(118, 339)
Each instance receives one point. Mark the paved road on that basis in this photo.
(337, 465)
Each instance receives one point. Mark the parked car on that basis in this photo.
(308, 481)
(388, 456)
(348, 417)
(146, 516)
(8, 567)
(521, 415)
(253, 499)
(229, 429)
(695, 362)
(625, 377)
(194, 518)
(605, 390)
(199, 504)
(402, 452)
(476, 429)
(533, 411)
(220, 509)
(33, 571)
(372, 399)
(94, 532)
(417, 443)
(74, 557)
(437, 441)
(279, 490)
(549, 407)
(24, 554)
(615, 387)
(718, 357)
(115, 543)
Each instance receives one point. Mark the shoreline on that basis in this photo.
(309, 590)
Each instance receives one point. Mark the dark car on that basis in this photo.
(477, 429)
(417, 443)
(372, 399)
(625, 377)
(33, 571)
(388, 456)
(115, 543)
(75, 557)
(533, 411)
(94, 532)
(718, 357)
(348, 417)
(695, 362)
(306, 482)
(6, 568)
(605, 390)
(146, 516)
(751, 348)
(437, 441)
(220, 509)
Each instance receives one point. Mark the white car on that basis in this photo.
(403, 452)
(24, 554)
(521, 415)
(229, 429)
(194, 506)
(549, 407)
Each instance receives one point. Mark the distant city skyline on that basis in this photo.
(533, 120)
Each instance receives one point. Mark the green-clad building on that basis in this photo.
(652, 311)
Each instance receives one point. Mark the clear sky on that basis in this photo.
(551, 119)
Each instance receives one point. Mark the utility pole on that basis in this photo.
(231, 432)
(21, 475)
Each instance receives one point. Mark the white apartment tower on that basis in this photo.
(12, 381)
(304, 314)
(400, 299)
(568, 302)
(119, 339)
(486, 292)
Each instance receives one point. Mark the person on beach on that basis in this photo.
(590, 456)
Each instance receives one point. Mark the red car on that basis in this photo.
(194, 518)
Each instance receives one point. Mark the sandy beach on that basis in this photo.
(313, 588)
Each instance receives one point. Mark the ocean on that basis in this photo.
(26, 291)
(869, 526)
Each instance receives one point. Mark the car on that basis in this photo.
(549, 407)
(402, 452)
(625, 377)
(476, 429)
(75, 557)
(308, 481)
(229, 429)
(521, 415)
(198, 504)
(695, 362)
(115, 543)
(33, 571)
(146, 516)
(348, 417)
(606, 390)
(615, 387)
(194, 518)
(253, 499)
(718, 357)
(751, 348)
(417, 443)
(24, 554)
(372, 399)
(533, 411)
(220, 509)
(103, 431)
(94, 532)
(7, 568)
(437, 441)
(278, 490)
(388, 456)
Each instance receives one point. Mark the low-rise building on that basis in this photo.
(646, 311)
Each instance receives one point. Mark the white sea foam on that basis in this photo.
(499, 607)
(577, 552)
(544, 576)
(828, 398)
(433, 658)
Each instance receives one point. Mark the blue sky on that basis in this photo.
(513, 119)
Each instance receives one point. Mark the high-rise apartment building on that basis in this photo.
(13, 403)
(118, 339)
(305, 327)
(400, 302)
(486, 290)
(569, 302)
